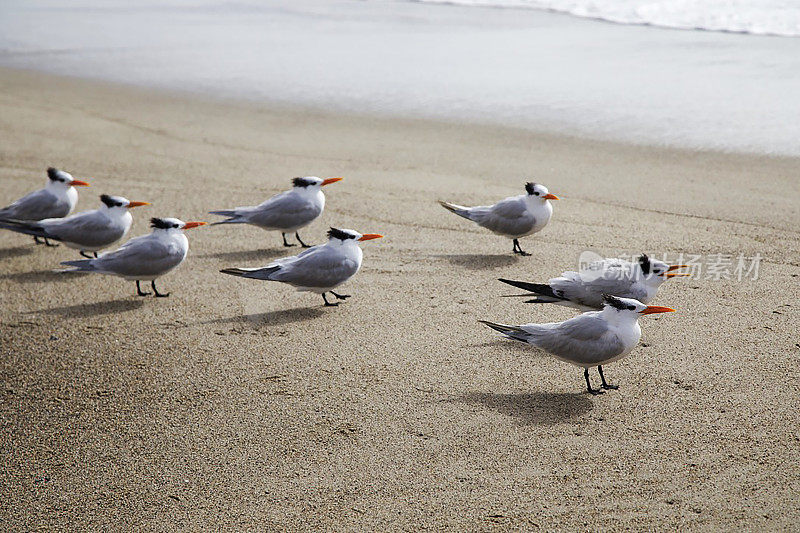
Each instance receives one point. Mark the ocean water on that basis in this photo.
(530, 68)
(757, 17)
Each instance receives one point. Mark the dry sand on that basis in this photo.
(241, 404)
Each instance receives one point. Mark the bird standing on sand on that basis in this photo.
(591, 339)
(57, 199)
(319, 269)
(514, 217)
(285, 212)
(585, 290)
(89, 231)
(144, 258)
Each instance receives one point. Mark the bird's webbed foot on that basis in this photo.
(304, 245)
(605, 385)
(327, 303)
(155, 291)
(285, 242)
(340, 296)
(589, 389)
(139, 291)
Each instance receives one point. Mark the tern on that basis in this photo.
(514, 217)
(143, 258)
(57, 199)
(89, 231)
(590, 339)
(319, 269)
(584, 290)
(285, 212)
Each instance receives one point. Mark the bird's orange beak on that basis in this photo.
(650, 309)
(137, 204)
(79, 183)
(676, 267)
(190, 225)
(328, 181)
(550, 197)
(676, 274)
(370, 236)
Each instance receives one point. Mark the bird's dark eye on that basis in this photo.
(174, 225)
(632, 307)
(536, 193)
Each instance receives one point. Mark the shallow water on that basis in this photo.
(522, 67)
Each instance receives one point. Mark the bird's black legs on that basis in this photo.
(327, 303)
(285, 242)
(340, 296)
(95, 255)
(87, 256)
(518, 249)
(589, 388)
(139, 291)
(46, 242)
(155, 291)
(304, 245)
(603, 380)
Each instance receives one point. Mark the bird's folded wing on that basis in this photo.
(89, 229)
(585, 338)
(506, 216)
(284, 210)
(34, 206)
(588, 290)
(141, 256)
(317, 267)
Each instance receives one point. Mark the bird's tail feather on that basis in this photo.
(264, 273)
(544, 292)
(26, 228)
(235, 218)
(512, 332)
(459, 210)
(81, 265)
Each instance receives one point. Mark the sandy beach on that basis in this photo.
(244, 405)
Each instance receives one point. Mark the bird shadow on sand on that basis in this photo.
(535, 408)
(251, 255)
(273, 318)
(480, 261)
(39, 276)
(16, 251)
(94, 309)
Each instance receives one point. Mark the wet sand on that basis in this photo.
(241, 404)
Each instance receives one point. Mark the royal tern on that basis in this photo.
(590, 339)
(144, 258)
(584, 290)
(89, 231)
(319, 269)
(514, 217)
(57, 199)
(285, 212)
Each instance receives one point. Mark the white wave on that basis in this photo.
(757, 17)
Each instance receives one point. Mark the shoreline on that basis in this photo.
(236, 404)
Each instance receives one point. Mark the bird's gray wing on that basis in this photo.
(585, 339)
(142, 256)
(321, 268)
(588, 290)
(90, 229)
(37, 205)
(284, 210)
(509, 217)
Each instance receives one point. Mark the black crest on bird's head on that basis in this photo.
(302, 182)
(160, 223)
(529, 187)
(54, 174)
(644, 262)
(614, 302)
(109, 201)
(335, 233)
